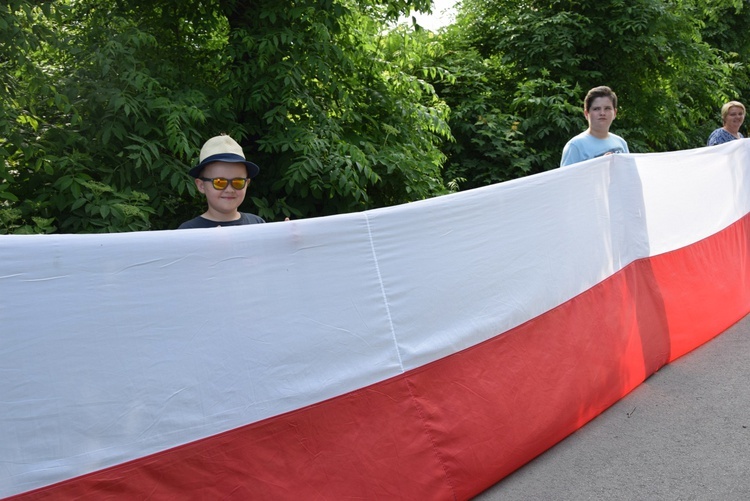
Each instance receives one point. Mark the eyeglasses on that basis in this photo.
(220, 183)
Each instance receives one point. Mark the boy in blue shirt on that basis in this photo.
(600, 110)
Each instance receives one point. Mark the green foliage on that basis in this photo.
(10, 223)
(104, 104)
(109, 101)
(523, 68)
(104, 125)
(723, 27)
(341, 121)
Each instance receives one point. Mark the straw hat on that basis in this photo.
(223, 149)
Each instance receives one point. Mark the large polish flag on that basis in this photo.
(422, 351)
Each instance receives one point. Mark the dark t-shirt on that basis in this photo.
(202, 222)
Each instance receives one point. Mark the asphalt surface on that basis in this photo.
(683, 434)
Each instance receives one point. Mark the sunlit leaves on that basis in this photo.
(330, 106)
(523, 67)
(106, 103)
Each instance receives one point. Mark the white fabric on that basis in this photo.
(695, 193)
(113, 347)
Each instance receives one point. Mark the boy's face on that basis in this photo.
(222, 204)
(600, 115)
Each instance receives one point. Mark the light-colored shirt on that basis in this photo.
(585, 146)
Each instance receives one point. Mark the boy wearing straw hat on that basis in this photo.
(223, 175)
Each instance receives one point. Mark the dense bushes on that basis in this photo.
(105, 103)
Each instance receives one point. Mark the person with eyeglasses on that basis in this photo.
(223, 175)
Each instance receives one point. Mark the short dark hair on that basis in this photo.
(601, 91)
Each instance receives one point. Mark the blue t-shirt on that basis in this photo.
(585, 146)
(720, 136)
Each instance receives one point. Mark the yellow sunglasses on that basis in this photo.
(221, 183)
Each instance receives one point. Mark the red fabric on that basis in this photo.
(706, 287)
(452, 428)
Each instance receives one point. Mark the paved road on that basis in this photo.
(684, 434)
